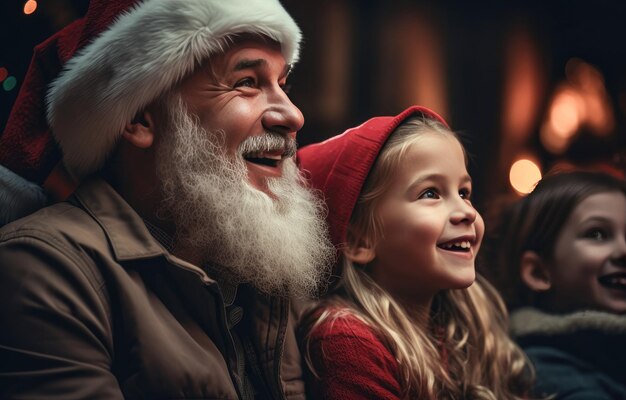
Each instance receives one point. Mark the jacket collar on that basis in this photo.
(126, 231)
(531, 321)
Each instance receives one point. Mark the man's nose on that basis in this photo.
(282, 116)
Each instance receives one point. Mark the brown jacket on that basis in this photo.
(93, 307)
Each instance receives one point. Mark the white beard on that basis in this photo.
(279, 245)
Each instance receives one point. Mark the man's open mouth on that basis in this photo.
(614, 281)
(462, 246)
(266, 159)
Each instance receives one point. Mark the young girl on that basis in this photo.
(561, 254)
(407, 318)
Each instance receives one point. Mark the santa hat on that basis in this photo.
(91, 78)
(339, 166)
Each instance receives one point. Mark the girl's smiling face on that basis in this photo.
(431, 231)
(588, 268)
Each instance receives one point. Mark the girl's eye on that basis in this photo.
(429, 194)
(246, 82)
(597, 234)
(465, 194)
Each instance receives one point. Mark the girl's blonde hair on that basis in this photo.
(468, 327)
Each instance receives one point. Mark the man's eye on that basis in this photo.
(429, 194)
(246, 82)
(597, 234)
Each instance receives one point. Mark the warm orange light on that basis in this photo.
(523, 87)
(565, 114)
(584, 75)
(524, 175)
(554, 143)
(30, 7)
(416, 76)
(590, 84)
(580, 102)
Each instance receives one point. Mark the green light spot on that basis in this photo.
(9, 83)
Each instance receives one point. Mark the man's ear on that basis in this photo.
(141, 130)
(361, 253)
(534, 272)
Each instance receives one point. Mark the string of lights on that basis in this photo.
(23, 25)
(9, 82)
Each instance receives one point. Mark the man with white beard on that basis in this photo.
(271, 238)
(169, 272)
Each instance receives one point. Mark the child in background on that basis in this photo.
(407, 318)
(560, 254)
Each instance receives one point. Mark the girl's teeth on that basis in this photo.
(464, 245)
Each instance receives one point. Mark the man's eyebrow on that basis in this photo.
(248, 63)
(260, 62)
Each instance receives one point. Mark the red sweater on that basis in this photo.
(351, 362)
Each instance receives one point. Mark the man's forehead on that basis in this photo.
(253, 50)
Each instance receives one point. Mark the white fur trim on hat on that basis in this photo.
(145, 52)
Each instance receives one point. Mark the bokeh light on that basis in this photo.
(9, 83)
(566, 113)
(524, 175)
(524, 86)
(580, 102)
(3, 73)
(597, 104)
(30, 6)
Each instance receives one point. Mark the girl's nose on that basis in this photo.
(618, 256)
(463, 213)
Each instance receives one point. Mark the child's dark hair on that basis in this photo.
(534, 223)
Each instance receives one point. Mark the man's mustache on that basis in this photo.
(268, 142)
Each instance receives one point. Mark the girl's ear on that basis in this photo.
(361, 253)
(534, 272)
(141, 130)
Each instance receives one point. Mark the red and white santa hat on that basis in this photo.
(339, 166)
(91, 78)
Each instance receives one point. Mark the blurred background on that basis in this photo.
(532, 86)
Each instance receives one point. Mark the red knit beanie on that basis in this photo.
(339, 166)
(91, 78)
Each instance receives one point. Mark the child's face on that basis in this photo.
(588, 269)
(431, 230)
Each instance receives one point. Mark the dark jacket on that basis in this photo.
(93, 307)
(576, 356)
